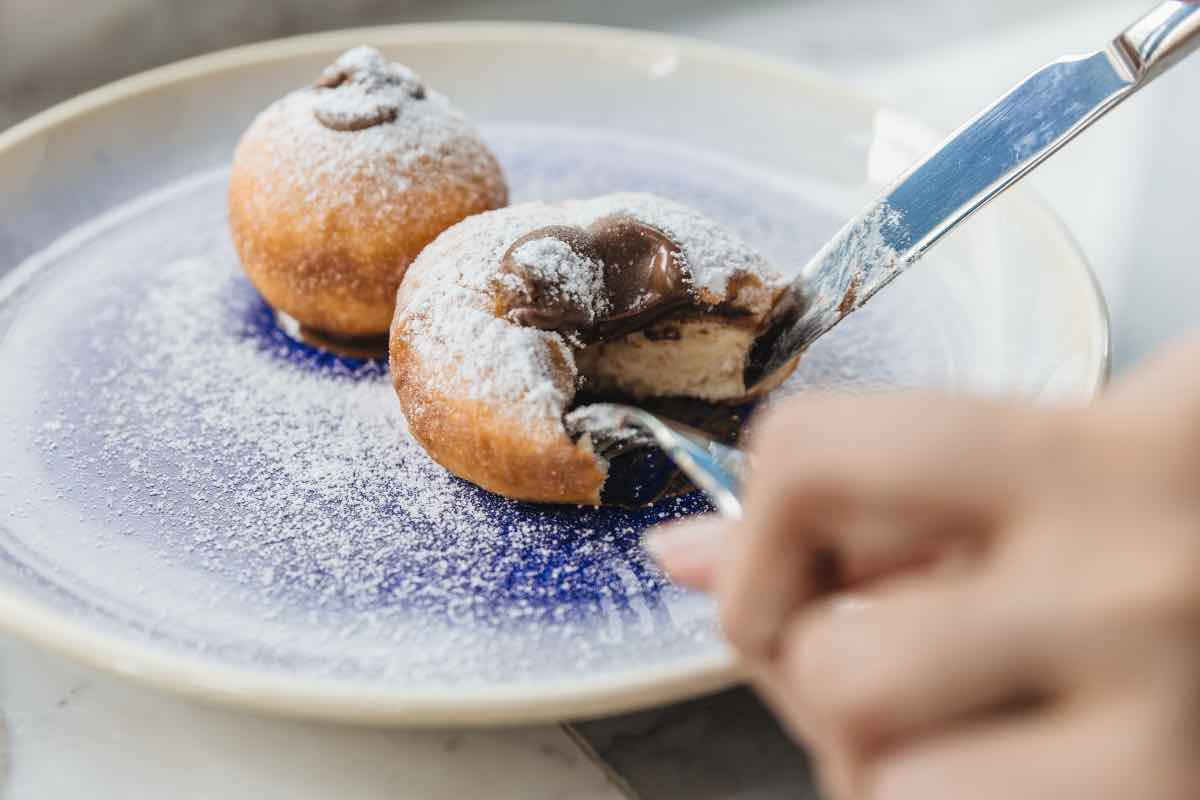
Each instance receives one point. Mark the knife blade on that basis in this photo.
(978, 162)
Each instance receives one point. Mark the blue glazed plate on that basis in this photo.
(191, 498)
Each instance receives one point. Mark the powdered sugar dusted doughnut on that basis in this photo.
(505, 317)
(337, 187)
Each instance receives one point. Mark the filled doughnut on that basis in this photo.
(337, 187)
(508, 315)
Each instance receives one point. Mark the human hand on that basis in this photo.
(952, 598)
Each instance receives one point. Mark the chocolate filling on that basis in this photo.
(363, 95)
(359, 120)
(781, 322)
(627, 277)
(642, 280)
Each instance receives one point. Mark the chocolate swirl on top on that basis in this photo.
(625, 275)
(362, 89)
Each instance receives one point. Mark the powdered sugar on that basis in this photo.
(177, 473)
(853, 266)
(308, 162)
(367, 68)
(361, 90)
(288, 471)
(481, 357)
(556, 265)
(316, 156)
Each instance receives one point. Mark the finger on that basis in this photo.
(1147, 429)
(928, 467)
(689, 551)
(1106, 753)
(997, 760)
(1168, 376)
(916, 653)
(832, 758)
(872, 544)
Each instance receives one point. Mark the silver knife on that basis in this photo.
(976, 164)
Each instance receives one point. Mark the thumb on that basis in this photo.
(689, 551)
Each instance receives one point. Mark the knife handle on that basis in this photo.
(1162, 38)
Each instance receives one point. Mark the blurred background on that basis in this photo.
(1128, 190)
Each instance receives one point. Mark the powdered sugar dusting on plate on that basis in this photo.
(292, 473)
(180, 474)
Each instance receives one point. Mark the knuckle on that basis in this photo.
(771, 436)
(842, 689)
(1174, 589)
(1164, 588)
(1179, 595)
(1071, 433)
(808, 420)
(1058, 443)
(1180, 782)
(745, 626)
(782, 496)
(903, 775)
(1184, 351)
(1159, 761)
(756, 642)
(802, 491)
(737, 624)
(1173, 364)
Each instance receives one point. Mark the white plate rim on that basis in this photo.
(328, 700)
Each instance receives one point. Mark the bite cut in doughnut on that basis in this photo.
(508, 315)
(337, 187)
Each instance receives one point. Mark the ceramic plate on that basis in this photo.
(190, 498)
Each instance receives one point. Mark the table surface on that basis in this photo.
(70, 732)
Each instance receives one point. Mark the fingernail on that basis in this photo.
(689, 552)
(850, 604)
(701, 532)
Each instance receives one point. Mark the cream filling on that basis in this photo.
(702, 358)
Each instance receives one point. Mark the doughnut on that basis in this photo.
(337, 187)
(509, 315)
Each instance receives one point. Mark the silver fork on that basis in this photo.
(715, 468)
(980, 161)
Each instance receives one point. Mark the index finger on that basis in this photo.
(854, 487)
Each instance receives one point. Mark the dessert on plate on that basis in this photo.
(506, 317)
(366, 203)
(337, 187)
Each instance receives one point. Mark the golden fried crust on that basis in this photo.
(486, 396)
(489, 445)
(332, 254)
